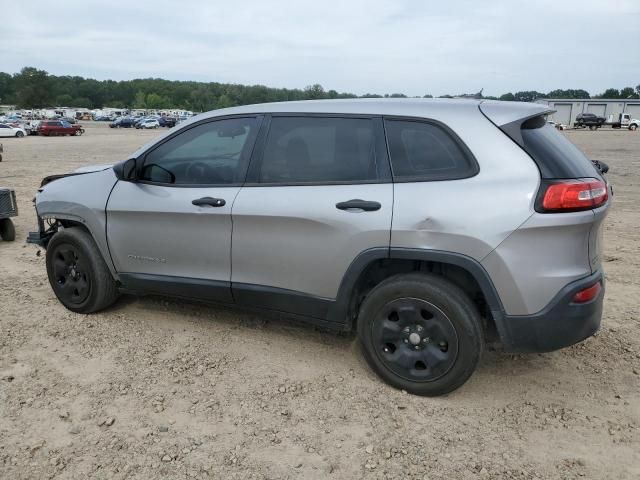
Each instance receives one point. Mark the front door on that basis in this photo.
(170, 231)
(317, 195)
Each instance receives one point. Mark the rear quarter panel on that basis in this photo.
(470, 216)
(546, 253)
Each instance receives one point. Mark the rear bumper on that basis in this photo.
(560, 324)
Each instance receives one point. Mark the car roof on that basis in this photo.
(437, 108)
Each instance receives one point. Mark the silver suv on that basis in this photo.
(426, 226)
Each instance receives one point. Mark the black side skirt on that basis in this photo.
(298, 305)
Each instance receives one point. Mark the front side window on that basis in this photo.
(422, 151)
(319, 150)
(207, 154)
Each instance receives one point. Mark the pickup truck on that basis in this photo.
(590, 120)
(59, 127)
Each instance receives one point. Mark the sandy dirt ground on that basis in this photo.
(156, 388)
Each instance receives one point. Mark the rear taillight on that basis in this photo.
(587, 294)
(572, 195)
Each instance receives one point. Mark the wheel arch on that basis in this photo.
(374, 265)
(66, 221)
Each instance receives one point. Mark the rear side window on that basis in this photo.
(555, 156)
(319, 150)
(422, 151)
(207, 154)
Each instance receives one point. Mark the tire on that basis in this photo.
(77, 272)
(420, 333)
(7, 230)
(591, 127)
(633, 126)
(19, 134)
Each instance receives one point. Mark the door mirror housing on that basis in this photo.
(126, 171)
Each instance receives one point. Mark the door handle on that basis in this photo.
(356, 203)
(211, 202)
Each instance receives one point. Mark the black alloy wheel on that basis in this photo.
(72, 281)
(421, 333)
(416, 340)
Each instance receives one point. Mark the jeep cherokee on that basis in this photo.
(426, 226)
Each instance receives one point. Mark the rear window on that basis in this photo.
(422, 151)
(555, 156)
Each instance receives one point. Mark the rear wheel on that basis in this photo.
(7, 230)
(420, 333)
(77, 272)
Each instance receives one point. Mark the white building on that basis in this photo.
(609, 108)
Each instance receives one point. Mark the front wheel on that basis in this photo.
(77, 272)
(420, 333)
(633, 126)
(7, 230)
(19, 134)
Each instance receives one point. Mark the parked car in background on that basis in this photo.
(148, 123)
(122, 122)
(138, 120)
(9, 131)
(34, 125)
(590, 120)
(49, 128)
(102, 118)
(168, 122)
(478, 247)
(21, 124)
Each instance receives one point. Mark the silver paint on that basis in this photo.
(293, 237)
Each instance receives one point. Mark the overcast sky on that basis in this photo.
(378, 46)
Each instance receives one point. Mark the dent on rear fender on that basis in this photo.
(427, 235)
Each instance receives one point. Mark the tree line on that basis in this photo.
(34, 88)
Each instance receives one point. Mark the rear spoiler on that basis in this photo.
(509, 116)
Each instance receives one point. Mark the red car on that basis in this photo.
(59, 127)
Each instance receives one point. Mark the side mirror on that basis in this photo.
(126, 171)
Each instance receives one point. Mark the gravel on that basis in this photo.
(158, 388)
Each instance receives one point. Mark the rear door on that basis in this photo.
(171, 229)
(318, 193)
